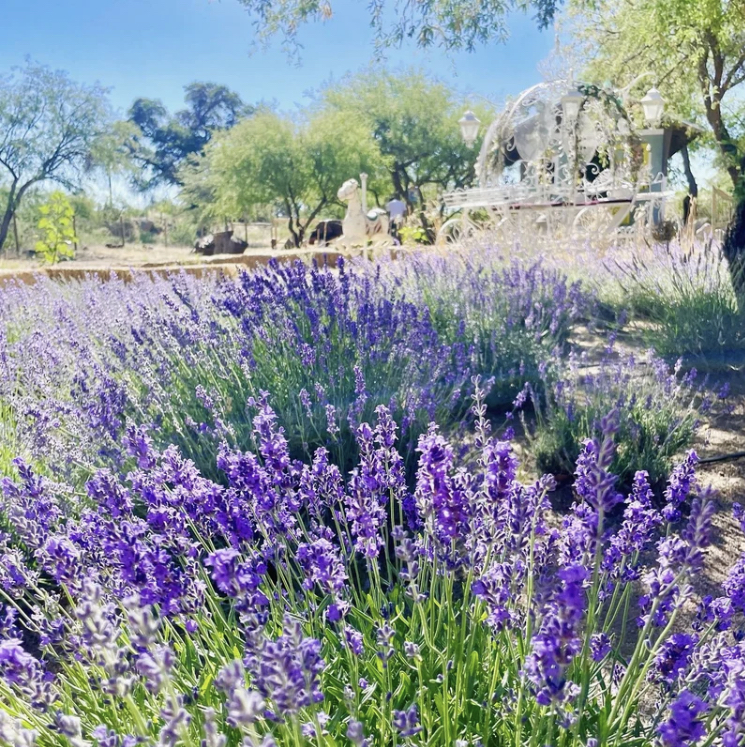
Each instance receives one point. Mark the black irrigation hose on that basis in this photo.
(722, 457)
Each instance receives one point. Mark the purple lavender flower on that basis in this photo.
(286, 670)
(557, 641)
(322, 565)
(140, 446)
(640, 521)
(672, 659)
(684, 727)
(384, 636)
(443, 501)
(354, 640)
(600, 646)
(406, 723)
(356, 734)
(680, 483)
(366, 498)
(239, 578)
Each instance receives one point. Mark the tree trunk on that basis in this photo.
(15, 233)
(293, 232)
(111, 189)
(733, 249)
(11, 206)
(5, 225)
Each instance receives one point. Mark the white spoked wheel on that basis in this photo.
(455, 230)
(594, 222)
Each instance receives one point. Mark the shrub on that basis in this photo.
(513, 314)
(282, 609)
(658, 413)
(183, 355)
(686, 296)
(57, 229)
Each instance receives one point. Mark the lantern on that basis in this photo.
(653, 105)
(469, 127)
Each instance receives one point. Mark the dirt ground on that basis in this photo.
(725, 435)
(101, 257)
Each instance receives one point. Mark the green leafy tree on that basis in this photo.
(297, 166)
(414, 121)
(57, 229)
(48, 125)
(163, 143)
(695, 50)
(453, 24)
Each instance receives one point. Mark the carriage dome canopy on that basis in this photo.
(565, 121)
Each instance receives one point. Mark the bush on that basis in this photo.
(185, 354)
(513, 315)
(282, 609)
(658, 412)
(686, 296)
(57, 229)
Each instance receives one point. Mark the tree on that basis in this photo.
(299, 166)
(164, 143)
(695, 50)
(453, 24)
(414, 121)
(111, 152)
(48, 125)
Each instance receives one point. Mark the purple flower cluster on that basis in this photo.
(180, 355)
(286, 670)
(305, 601)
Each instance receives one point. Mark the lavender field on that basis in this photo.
(319, 505)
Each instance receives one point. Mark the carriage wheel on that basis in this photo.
(455, 230)
(595, 223)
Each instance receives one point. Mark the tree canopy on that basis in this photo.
(695, 50)
(165, 142)
(48, 127)
(414, 122)
(298, 166)
(453, 24)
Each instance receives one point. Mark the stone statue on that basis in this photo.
(359, 225)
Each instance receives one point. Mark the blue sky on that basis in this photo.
(154, 47)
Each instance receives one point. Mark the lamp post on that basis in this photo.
(571, 103)
(469, 128)
(653, 105)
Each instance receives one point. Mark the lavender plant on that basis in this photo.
(292, 606)
(515, 312)
(659, 411)
(684, 295)
(180, 356)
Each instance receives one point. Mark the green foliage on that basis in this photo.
(657, 416)
(111, 152)
(453, 24)
(49, 125)
(414, 121)
(413, 235)
(162, 144)
(297, 166)
(692, 48)
(685, 300)
(58, 232)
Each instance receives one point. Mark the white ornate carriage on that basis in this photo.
(569, 161)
